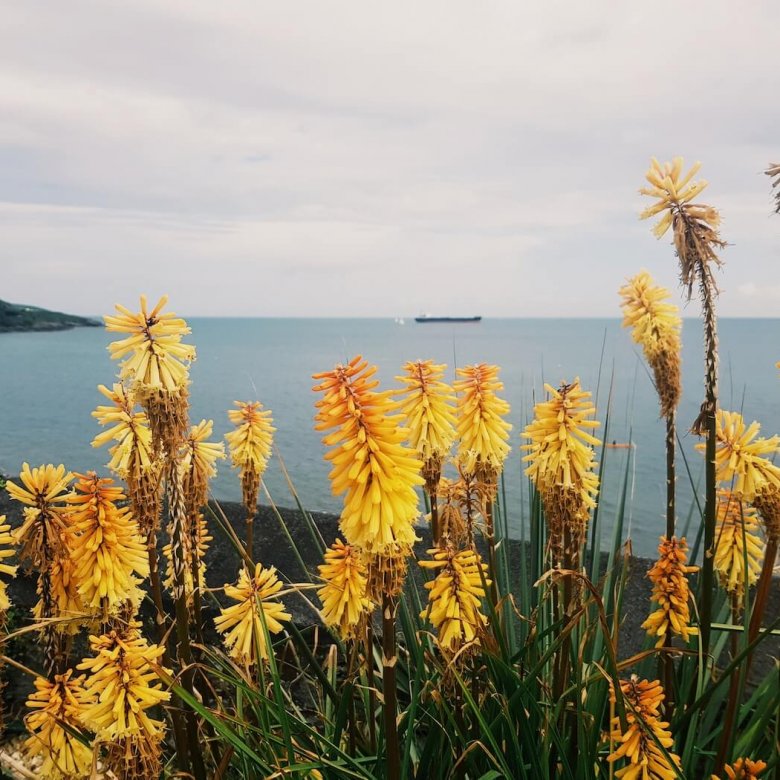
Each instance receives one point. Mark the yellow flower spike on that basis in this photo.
(670, 592)
(562, 461)
(455, 596)
(428, 409)
(656, 327)
(742, 769)
(242, 624)
(65, 598)
(120, 689)
(155, 358)
(741, 457)
(250, 446)
(199, 459)
(7, 545)
(57, 707)
(695, 226)
(737, 541)
(370, 462)
(106, 545)
(482, 430)
(646, 760)
(132, 455)
(44, 490)
(343, 594)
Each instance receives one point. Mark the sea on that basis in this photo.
(49, 388)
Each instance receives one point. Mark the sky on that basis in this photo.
(364, 158)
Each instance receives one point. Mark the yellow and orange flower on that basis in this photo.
(250, 446)
(455, 596)
(41, 534)
(370, 463)
(242, 623)
(132, 455)
(639, 743)
(670, 593)
(656, 327)
(428, 410)
(155, 358)
(482, 431)
(674, 190)
(743, 769)
(106, 546)
(739, 549)
(742, 458)
(120, 690)
(7, 545)
(57, 707)
(562, 462)
(63, 594)
(343, 594)
(199, 463)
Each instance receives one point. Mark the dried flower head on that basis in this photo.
(242, 623)
(656, 327)
(41, 535)
(455, 596)
(195, 542)
(7, 545)
(562, 462)
(695, 226)
(343, 594)
(428, 409)
(386, 572)
(370, 462)
(250, 446)
(773, 171)
(482, 430)
(57, 707)
(739, 548)
(645, 731)
(742, 769)
(120, 690)
(670, 592)
(106, 546)
(453, 495)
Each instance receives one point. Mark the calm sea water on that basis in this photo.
(49, 389)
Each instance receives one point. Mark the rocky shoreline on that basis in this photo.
(273, 533)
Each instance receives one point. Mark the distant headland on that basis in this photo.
(17, 317)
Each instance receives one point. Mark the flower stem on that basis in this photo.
(435, 529)
(706, 424)
(666, 670)
(762, 592)
(389, 661)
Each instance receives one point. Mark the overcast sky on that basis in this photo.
(376, 158)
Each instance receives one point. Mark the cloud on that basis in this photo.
(309, 158)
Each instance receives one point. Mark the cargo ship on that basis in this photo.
(429, 318)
